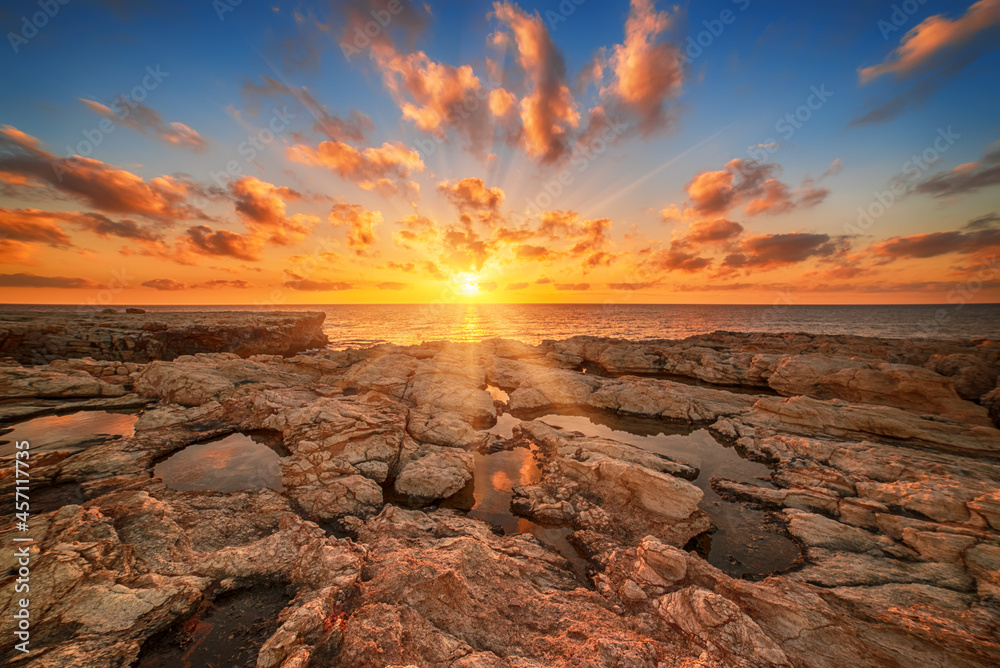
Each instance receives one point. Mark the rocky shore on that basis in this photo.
(883, 461)
(138, 336)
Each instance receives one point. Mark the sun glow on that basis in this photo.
(467, 284)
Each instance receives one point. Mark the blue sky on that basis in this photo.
(757, 62)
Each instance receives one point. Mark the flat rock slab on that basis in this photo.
(40, 337)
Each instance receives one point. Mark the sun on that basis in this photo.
(467, 284)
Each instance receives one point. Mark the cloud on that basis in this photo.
(748, 182)
(126, 228)
(17, 252)
(767, 251)
(218, 284)
(589, 236)
(437, 97)
(383, 168)
(416, 229)
(165, 284)
(930, 56)
(934, 37)
(360, 224)
(548, 111)
(544, 281)
(529, 252)
(100, 185)
(989, 220)
(677, 259)
(33, 225)
(297, 282)
(939, 243)
(352, 129)
(35, 281)
(517, 286)
(632, 286)
(391, 285)
(579, 287)
(965, 178)
(143, 119)
(471, 194)
(223, 243)
(713, 231)
(261, 207)
(647, 72)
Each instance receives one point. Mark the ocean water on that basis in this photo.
(367, 324)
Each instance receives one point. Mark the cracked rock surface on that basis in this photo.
(884, 464)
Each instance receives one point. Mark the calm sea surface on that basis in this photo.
(361, 325)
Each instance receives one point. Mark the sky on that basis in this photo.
(583, 151)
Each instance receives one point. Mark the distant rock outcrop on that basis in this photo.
(38, 338)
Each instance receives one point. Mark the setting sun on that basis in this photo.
(468, 284)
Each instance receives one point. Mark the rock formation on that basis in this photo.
(884, 470)
(37, 338)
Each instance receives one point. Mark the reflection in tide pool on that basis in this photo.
(55, 432)
(226, 465)
(745, 540)
(489, 493)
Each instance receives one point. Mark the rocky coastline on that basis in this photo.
(882, 460)
(137, 336)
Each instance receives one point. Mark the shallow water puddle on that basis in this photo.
(497, 394)
(745, 541)
(228, 464)
(488, 496)
(225, 634)
(72, 431)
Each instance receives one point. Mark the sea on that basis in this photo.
(358, 325)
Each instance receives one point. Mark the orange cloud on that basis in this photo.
(746, 182)
(646, 73)
(548, 111)
(261, 207)
(100, 185)
(223, 243)
(934, 36)
(360, 224)
(471, 194)
(384, 168)
(143, 119)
